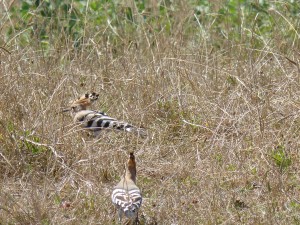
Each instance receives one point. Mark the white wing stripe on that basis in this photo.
(127, 200)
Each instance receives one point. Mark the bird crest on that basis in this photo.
(82, 102)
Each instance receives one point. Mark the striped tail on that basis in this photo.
(127, 201)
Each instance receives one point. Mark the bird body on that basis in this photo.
(126, 196)
(96, 121)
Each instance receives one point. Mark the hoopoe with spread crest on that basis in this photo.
(126, 196)
(95, 120)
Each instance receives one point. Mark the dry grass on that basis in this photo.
(223, 144)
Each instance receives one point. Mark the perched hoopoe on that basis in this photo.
(96, 120)
(126, 196)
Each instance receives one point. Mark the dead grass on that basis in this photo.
(217, 119)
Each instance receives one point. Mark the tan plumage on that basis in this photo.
(83, 102)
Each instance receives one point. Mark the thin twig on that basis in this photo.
(4, 49)
(44, 145)
(197, 125)
(7, 161)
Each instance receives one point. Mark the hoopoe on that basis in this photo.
(126, 196)
(95, 120)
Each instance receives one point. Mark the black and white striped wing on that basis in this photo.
(99, 122)
(128, 201)
(96, 121)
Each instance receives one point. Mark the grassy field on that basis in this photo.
(215, 85)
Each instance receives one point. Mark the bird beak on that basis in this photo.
(66, 110)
